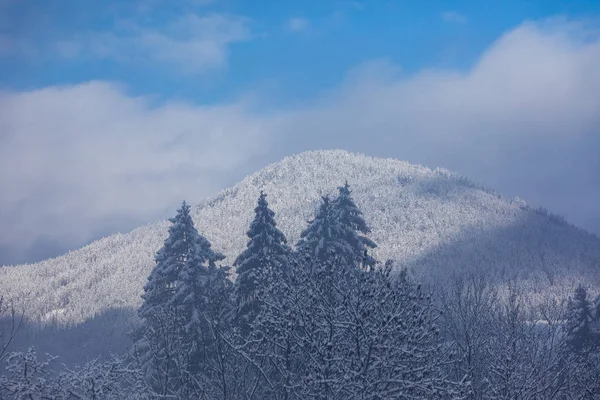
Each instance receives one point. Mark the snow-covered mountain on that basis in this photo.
(432, 221)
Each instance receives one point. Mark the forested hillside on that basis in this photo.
(322, 320)
(431, 221)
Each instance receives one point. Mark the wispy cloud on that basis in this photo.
(454, 17)
(298, 24)
(190, 43)
(357, 5)
(149, 6)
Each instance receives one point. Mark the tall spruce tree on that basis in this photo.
(167, 344)
(218, 361)
(583, 340)
(351, 218)
(579, 321)
(324, 238)
(170, 259)
(193, 294)
(266, 253)
(158, 337)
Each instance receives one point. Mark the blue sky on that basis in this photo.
(291, 49)
(103, 103)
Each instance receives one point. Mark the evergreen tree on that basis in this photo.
(351, 219)
(266, 251)
(218, 359)
(324, 238)
(192, 296)
(170, 259)
(583, 341)
(204, 305)
(579, 321)
(175, 287)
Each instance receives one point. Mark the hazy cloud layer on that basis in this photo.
(524, 120)
(75, 160)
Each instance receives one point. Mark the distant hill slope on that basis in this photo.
(432, 221)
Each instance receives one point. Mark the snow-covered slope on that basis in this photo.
(430, 220)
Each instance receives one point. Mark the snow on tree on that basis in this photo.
(580, 319)
(169, 312)
(467, 301)
(597, 316)
(266, 251)
(351, 219)
(192, 287)
(432, 218)
(583, 341)
(170, 259)
(204, 303)
(582, 372)
(325, 237)
(195, 288)
(523, 362)
(340, 333)
(114, 379)
(27, 378)
(10, 323)
(218, 358)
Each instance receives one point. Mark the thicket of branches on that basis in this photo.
(323, 321)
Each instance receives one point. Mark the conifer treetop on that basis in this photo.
(353, 224)
(579, 320)
(184, 244)
(266, 253)
(265, 238)
(324, 236)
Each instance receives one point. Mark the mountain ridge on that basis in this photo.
(417, 215)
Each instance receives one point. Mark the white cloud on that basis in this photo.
(523, 120)
(190, 44)
(298, 24)
(74, 157)
(454, 17)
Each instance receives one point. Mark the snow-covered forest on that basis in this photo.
(324, 317)
(433, 222)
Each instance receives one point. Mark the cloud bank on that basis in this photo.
(523, 120)
(74, 160)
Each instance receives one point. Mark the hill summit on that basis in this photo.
(433, 222)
